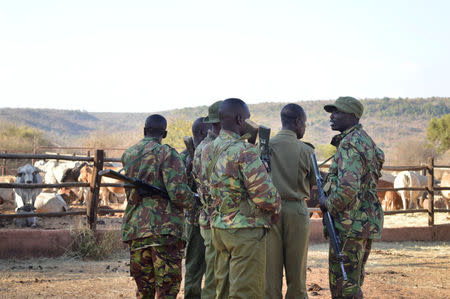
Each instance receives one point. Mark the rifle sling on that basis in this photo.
(131, 163)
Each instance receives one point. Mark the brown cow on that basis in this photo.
(106, 193)
(392, 201)
(383, 184)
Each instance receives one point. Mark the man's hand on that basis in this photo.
(140, 188)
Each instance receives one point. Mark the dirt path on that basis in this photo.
(395, 270)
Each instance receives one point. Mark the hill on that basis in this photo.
(388, 120)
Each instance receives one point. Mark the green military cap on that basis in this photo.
(346, 104)
(213, 113)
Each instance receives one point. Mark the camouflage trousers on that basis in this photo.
(157, 270)
(356, 252)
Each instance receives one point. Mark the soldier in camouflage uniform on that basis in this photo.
(293, 176)
(153, 225)
(351, 197)
(246, 205)
(195, 249)
(199, 170)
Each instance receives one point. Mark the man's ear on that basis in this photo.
(164, 134)
(239, 119)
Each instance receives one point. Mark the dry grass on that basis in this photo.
(88, 245)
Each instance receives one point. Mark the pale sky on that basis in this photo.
(146, 56)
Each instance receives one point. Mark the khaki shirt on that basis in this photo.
(290, 160)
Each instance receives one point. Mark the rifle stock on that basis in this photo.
(264, 136)
(327, 219)
(189, 142)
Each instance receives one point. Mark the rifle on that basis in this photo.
(189, 142)
(149, 189)
(264, 136)
(252, 131)
(327, 219)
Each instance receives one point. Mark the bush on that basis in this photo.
(410, 152)
(87, 245)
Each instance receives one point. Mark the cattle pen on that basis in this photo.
(99, 158)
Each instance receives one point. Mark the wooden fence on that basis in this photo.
(95, 184)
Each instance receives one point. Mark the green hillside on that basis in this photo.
(387, 120)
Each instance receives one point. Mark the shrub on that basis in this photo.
(87, 245)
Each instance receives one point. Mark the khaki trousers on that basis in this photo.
(240, 263)
(195, 262)
(287, 246)
(209, 287)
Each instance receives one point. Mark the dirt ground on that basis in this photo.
(394, 270)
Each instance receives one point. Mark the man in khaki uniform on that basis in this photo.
(292, 175)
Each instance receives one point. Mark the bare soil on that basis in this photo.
(394, 270)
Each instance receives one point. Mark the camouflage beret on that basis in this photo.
(213, 113)
(347, 105)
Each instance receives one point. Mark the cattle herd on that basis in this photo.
(38, 200)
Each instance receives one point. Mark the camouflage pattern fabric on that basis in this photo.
(351, 182)
(191, 215)
(156, 268)
(152, 216)
(356, 252)
(199, 172)
(242, 190)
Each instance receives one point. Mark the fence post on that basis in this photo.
(4, 165)
(94, 190)
(430, 190)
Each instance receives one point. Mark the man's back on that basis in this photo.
(240, 184)
(161, 166)
(290, 159)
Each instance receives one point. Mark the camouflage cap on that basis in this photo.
(213, 113)
(347, 105)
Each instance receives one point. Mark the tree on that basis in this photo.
(438, 132)
(176, 130)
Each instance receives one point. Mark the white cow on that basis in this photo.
(25, 198)
(59, 171)
(445, 182)
(50, 203)
(406, 179)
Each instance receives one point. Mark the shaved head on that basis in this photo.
(200, 130)
(293, 118)
(290, 112)
(155, 126)
(232, 114)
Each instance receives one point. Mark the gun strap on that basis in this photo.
(213, 162)
(131, 163)
(324, 162)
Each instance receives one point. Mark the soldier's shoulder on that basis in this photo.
(307, 146)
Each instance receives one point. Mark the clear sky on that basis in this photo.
(145, 56)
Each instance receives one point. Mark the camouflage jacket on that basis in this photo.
(351, 182)
(152, 216)
(243, 193)
(191, 215)
(199, 167)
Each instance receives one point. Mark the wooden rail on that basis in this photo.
(58, 214)
(99, 159)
